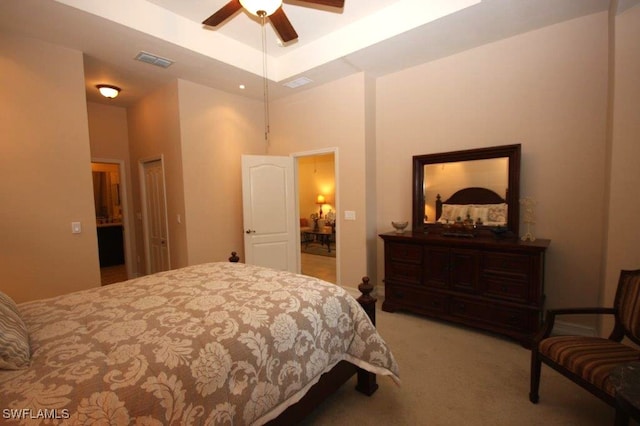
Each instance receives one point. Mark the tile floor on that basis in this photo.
(323, 267)
(113, 274)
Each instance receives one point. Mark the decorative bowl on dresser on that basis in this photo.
(482, 282)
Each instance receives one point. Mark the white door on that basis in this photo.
(155, 217)
(269, 212)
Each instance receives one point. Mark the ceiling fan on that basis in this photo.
(263, 9)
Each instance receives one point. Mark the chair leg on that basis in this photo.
(621, 419)
(535, 376)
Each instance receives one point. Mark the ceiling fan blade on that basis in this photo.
(223, 13)
(332, 3)
(283, 26)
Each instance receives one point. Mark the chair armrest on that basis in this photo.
(547, 327)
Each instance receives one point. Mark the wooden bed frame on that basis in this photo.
(338, 375)
(472, 195)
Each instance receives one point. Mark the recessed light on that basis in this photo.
(242, 87)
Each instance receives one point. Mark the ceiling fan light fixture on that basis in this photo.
(257, 7)
(108, 91)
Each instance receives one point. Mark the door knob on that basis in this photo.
(250, 231)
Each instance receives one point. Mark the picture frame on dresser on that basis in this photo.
(487, 281)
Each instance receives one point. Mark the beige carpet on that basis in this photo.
(453, 376)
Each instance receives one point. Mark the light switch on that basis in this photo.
(76, 227)
(349, 215)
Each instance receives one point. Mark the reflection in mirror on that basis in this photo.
(445, 179)
(483, 183)
(106, 192)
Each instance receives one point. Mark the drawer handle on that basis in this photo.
(461, 307)
(434, 303)
(513, 319)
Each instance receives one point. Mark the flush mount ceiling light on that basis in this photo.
(108, 91)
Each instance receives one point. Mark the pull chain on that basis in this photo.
(265, 81)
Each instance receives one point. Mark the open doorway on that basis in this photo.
(316, 179)
(109, 203)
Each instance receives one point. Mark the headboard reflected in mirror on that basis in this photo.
(481, 184)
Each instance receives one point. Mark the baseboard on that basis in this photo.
(353, 291)
(378, 291)
(568, 328)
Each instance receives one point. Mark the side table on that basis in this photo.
(626, 380)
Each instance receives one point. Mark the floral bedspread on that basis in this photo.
(218, 343)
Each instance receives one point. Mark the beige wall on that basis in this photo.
(216, 129)
(45, 171)
(326, 117)
(108, 131)
(154, 132)
(547, 90)
(624, 208)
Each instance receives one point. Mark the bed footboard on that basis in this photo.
(366, 380)
(340, 374)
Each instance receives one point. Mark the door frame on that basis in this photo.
(322, 151)
(124, 202)
(145, 217)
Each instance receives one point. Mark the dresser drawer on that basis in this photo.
(416, 300)
(411, 253)
(406, 272)
(505, 287)
(492, 314)
(514, 264)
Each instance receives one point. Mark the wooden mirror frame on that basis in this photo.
(512, 152)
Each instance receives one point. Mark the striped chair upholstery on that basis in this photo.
(588, 361)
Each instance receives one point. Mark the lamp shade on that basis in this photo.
(255, 6)
(320, 199)
(108, 91)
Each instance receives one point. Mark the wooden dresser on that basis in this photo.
(483, 282)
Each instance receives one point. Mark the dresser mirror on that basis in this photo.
(479, 185)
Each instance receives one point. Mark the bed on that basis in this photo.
(481, 205)
(218, 343)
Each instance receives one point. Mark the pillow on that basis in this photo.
(497, 213)
(479, 212)
(14, 339)
(451, 212)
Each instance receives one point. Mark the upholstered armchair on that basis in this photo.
(304, 229)
(589, 361)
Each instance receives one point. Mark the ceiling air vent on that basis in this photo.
(152, 59)
(298, 82)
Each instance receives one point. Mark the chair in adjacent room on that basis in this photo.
(587, 360)
(305, 237)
